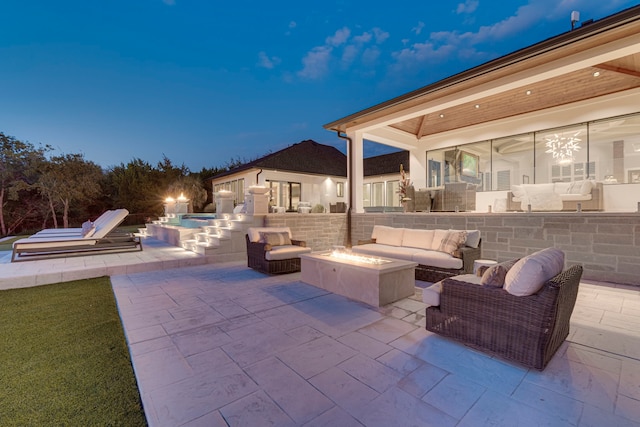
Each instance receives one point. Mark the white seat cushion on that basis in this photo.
(576, 197)
(436, 259)
(397, 252)
(278, 253)
(431, 295)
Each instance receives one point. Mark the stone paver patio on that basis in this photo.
(219, 345)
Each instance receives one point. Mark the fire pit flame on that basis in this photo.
(350, 256)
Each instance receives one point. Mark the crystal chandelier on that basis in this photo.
(562, 148)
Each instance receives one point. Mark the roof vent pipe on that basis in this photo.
(575, 17)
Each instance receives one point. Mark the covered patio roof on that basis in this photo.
(596, 59)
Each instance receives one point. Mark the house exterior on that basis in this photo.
(561, 111)
(382, 178)
(316, 174)
(306, 172)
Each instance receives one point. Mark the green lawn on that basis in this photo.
(5, 245)
(64, 359)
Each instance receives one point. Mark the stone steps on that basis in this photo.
(221, 237)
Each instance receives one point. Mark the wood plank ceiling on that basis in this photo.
(610, 77)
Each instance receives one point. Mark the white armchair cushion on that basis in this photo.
(387, 235)
(431, 295)
(561, 187)
(421, 239)
(278, 253)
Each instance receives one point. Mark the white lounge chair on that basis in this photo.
(101, 239)
(99, 222)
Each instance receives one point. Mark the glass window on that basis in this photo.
(240, 194)
(377, 194)
(483, 150)
(614, 150)
(340, 189)
(285, 194)
(392, 196)
(435, 160)
(512, 161)
(366, 195)
(467, 163)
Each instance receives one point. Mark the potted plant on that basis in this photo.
(403, 187)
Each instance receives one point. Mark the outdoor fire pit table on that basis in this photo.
(373, 280)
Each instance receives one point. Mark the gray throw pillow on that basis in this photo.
(495, 275)
(276, 238)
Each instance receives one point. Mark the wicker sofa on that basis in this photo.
(525, 329)
(270, 257)
(423, 247)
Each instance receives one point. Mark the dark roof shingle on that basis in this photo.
(306, 157)
(386, 164)
(314, 158)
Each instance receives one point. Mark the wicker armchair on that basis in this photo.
(461, 195)
(273, 260)
(528, 329)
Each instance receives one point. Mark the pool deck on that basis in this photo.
(223, 345)
(156, 255)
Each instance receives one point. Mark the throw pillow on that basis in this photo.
(280, 238)
(473, 238)
(525, 278)
(575, 187)
(88, 229)
(586, 187)
(452, 242)
(495, 275)
(529, 274)
(438, 235)
(552, 261)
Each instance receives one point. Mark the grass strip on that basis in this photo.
(64, 359)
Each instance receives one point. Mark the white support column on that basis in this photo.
(357, 169)
(418, 168)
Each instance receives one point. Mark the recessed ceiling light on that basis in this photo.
(477, 105)
(528, 92)
(596, 74)
(441, 115)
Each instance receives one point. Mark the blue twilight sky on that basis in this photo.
(204, 82)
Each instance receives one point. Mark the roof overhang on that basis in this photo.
(595, 60)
